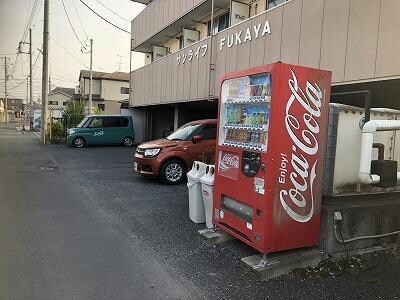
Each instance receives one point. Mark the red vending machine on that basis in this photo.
(270, 155)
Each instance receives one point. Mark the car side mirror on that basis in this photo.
(197, 138)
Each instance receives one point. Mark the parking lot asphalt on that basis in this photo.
(157, 216)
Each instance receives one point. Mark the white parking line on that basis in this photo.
(37, 134)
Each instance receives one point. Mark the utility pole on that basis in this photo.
(45, 69)
(5, 87)
(27, 97)
(91, 78)
(31, 81)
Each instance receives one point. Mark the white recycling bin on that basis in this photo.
(207, 187)
(196, 203)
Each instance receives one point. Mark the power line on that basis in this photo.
(104, 19)
(70, 24)
(112, 11)
(80, 21)
(77, 59)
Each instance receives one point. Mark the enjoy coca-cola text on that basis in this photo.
(303, 128)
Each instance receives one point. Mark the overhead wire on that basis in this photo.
(77, 59)
(115, 13)
(80, 21)
(104, 19)
(70, 24)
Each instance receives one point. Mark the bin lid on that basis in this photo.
(208, 177)
(198, 170)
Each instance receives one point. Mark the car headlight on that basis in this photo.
(152, 152)
(71, 131)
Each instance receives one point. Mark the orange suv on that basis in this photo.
(169, 158)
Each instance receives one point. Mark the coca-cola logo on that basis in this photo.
(229, 161)
(303, 111)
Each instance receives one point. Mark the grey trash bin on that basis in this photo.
(196, 203)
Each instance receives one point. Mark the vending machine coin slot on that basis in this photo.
(251, 162)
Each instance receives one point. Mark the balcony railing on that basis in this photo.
(157, 16)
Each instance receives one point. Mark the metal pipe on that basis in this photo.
(211, 65)
(367, 101)
(381, 150)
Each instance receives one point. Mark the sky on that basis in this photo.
(110, 45)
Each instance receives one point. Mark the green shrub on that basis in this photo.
(74, 113)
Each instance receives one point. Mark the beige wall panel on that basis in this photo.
(138, 90)
(243, 49)
(182, 8)
(219, 58)
(158, 88)
(232, 54)
(257, 45)
(311, 32)
(148, 85)
(388, 55)
(152, 20)
(362, 39)
(180, 80)
(187, 78)
(272, 42)
(169, 81)
(189, 5)
(194, 78)
(204, 72)
(334, 38)
(202, 85)
(166, 11)
(164, 79)
(291, 32)
(174, 78)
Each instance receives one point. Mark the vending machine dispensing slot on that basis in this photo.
(270, 155)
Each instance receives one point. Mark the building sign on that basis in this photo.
(241, 37)
(191, 54)
(244, 36)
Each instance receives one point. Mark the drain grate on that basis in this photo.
(48, 168)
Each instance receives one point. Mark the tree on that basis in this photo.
(74, 113)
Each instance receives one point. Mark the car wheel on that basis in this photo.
(172, 171)
(79, 142)
(127, 141)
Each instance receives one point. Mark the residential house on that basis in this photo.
(15, 108)
(108, 90)
(58, 99)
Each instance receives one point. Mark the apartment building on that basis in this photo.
(355, 39)
(108, 90)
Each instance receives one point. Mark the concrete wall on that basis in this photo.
(356, 39)
(158, 15)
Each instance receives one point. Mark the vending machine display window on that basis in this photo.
(245, 112)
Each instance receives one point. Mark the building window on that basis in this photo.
(124, 90)
(220, 23)
(101, 106)
(53, 102)
(273, 3)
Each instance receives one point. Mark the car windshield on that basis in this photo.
(80, 125)
(184, 133)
